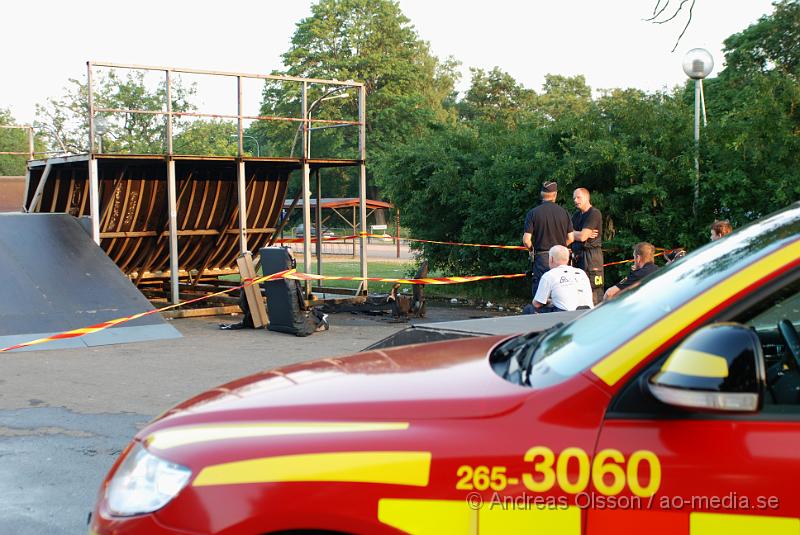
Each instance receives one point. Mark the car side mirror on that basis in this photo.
(718, 368)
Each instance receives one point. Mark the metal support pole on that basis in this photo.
(239, 112)
(94, 199)
(362, 183)
(306, 190)
(173, 232)
(318, 224)
(169, 112)
(242, 189)
(90, 93)
(240, 172)
(697, 99)
(397, 230)
(30, 143)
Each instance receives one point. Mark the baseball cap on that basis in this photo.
(549, 187)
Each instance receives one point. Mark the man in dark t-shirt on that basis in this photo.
(545, 226)
(643, 266)
(587, 252)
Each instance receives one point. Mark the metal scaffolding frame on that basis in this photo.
(305, 124)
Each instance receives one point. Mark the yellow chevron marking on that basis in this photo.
(721, 524)
(432, 517)
(410, 468)
(428, 517)
(181, 436)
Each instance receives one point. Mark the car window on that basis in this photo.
(784, 305)
(583, 342)
(776, 319)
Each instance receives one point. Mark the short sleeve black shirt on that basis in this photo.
(549, 224)
(591, 218)
(637, 276)
(589, 254)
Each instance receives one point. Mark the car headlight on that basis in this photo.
(143, 483)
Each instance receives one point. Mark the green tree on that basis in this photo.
(15, 140)
(495, 96)
(750, 164)
(564, 95)
(370, 41)
(213, 137)
(771, 44)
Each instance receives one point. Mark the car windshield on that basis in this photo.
(583, 342)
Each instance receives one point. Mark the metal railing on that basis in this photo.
(304, 119)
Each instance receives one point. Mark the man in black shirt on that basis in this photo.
(545, 226)
(587, 252)
(643, 266)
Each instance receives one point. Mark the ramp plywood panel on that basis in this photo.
(57, 279)
(134, 216)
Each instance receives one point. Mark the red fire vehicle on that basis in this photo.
(672, 409)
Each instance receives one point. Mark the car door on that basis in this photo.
(708, 472)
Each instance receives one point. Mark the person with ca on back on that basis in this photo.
(563, 287)
(587, 252)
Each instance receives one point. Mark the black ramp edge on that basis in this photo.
(57, 279)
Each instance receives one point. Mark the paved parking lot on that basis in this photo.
(65, 415)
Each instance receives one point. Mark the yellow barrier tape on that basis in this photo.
(388, 236)
(75, 333)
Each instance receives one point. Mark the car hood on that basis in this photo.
(449, 379)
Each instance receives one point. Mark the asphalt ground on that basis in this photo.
(65, 415)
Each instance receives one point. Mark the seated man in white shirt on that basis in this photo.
(563, 287)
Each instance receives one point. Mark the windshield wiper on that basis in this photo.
(517, 355)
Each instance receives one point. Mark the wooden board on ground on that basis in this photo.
(252, 292)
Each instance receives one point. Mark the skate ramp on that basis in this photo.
(58, 279)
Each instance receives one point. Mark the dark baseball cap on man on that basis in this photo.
(549, 187)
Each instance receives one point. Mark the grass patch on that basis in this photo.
(383, 270)
(495, 291)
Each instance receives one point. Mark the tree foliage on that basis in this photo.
(15, 140)
(495, 96)
(370, 41)
(752, 145)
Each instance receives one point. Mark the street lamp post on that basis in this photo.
(308, 115)
(305, 126)
(697, 64)
(318, 212)
(101, 127)
(311, 108)
(258, 146)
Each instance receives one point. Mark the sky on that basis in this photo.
(46, 42)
